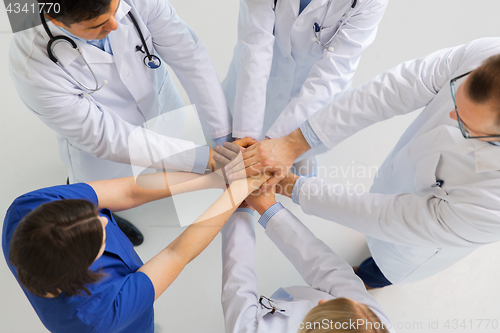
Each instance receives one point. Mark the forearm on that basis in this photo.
(401, 218)
(129, 192)
(318, 265)
(239, 279)
(164, 268)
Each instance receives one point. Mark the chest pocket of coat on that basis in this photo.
(327, 33)
(425, 180)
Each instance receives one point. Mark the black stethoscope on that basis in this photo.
(150, 60)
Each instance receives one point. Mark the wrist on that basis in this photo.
(262, 207)
(211, 163)
(285, 187)
(298, 142)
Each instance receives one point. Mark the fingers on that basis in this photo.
(222, 159)
(255, 169)
(235, 165)
(245, 142)
(232, 146)
(227, 154)
(267, 186)
(236, 175)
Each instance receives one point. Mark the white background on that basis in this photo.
(467, 291)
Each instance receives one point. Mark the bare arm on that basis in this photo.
(125, 193)
(129, 192)
(164, 268)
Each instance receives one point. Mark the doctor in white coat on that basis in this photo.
(101, 132)
(437, 195)
(94, 130)
(291, 309)
(283, 71)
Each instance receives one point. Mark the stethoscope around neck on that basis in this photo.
(150, 60)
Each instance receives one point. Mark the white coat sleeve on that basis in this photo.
(333, 73)
(91, 127)
(239, 278)
(318, 265)
(182, 50)
(402, 218)
(255, 42)
(400, 90)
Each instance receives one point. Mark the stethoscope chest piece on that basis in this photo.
(152, 61)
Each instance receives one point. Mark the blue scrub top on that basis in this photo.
(120, 302)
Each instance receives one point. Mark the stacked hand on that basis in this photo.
(247, 157)
(271, 155)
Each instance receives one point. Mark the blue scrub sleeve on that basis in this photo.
(133, 306)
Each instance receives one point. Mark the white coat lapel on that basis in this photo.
(119, 38)
(487, 156)
(294, 4)
(94, 55)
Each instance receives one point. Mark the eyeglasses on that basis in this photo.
(461, 124)
(269, 304)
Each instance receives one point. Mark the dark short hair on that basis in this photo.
(76, 11)
(484, 84)
(54, 245)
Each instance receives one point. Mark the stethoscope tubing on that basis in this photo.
(150, 57)
(347, 15)
(53, 41)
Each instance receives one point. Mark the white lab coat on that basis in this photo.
(278, 70)
(94, 132)
(415, 229)
(327, 274)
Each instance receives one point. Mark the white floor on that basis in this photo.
(462, 298)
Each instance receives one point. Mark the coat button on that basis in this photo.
(300, 22)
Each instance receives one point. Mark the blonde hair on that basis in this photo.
(342, 315)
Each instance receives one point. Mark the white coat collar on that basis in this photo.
(487, 156)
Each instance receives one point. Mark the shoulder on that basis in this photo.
(28, 46)
(368, 6)
(151, 10)
(33, 199)
(481, 49)
(26, 203)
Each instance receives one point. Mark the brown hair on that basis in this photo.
(483, 85)
(54, 245)
(342, 315)
(75, 11)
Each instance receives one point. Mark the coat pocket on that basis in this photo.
(425, 181)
